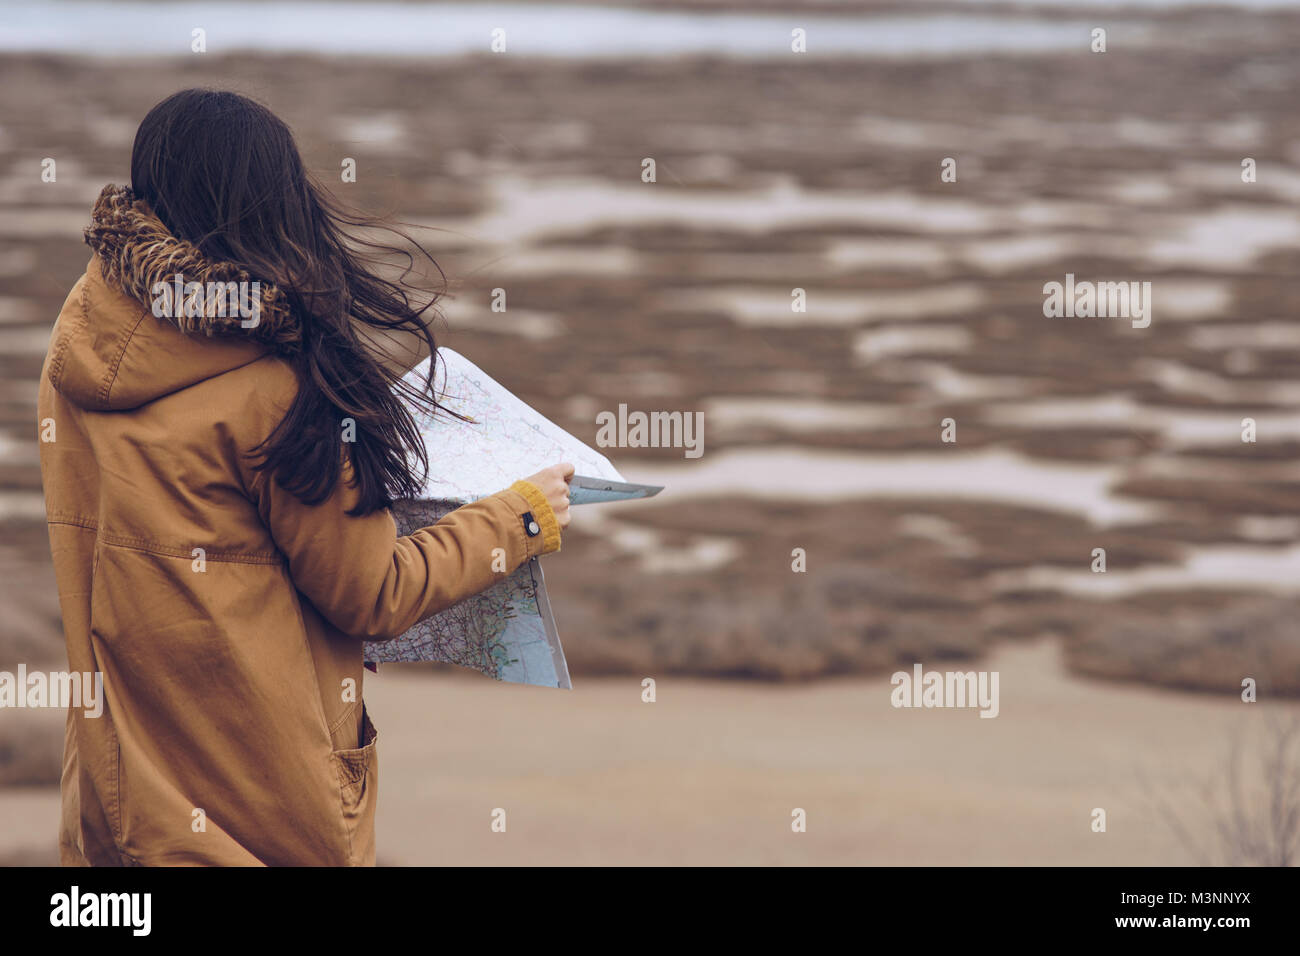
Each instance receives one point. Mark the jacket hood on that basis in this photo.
(111, 352)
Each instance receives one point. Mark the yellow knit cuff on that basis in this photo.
(542, 514)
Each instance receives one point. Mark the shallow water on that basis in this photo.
(809, 475)
(1270, 570)
(411, 30)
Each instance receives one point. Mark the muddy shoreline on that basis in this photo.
(924, 304)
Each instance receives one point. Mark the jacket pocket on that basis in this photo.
(358, 776)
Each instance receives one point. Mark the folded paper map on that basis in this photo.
(508, 631)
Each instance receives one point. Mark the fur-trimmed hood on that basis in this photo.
(110, 352)
(137, 252)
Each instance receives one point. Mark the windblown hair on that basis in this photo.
(223, 176)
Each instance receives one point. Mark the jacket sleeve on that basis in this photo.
(371, 583)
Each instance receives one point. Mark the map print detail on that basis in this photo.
(508, 631)
(506, 441)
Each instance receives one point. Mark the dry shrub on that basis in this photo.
(1196, 647)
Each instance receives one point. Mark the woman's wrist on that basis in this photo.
(547, 525)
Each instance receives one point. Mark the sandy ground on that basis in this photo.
(709, 773)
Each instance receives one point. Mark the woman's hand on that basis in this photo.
(554, 484)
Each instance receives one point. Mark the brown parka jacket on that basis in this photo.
(225, 616)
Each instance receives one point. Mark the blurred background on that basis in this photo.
(776, 171)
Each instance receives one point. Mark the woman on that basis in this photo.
(216, 489)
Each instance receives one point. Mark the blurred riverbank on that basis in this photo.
(822, 428)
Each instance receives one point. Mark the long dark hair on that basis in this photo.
(224, 173)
